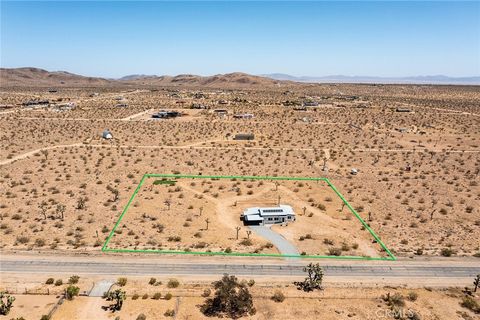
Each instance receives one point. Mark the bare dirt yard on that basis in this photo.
(63, 186)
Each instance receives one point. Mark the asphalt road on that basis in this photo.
(354, 270)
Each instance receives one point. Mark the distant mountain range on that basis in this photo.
(35, 77)
(435, 79)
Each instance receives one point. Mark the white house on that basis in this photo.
(269, 215)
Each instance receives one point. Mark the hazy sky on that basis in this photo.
(113, 39)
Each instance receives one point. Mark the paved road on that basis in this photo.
(354, 270)
(282, 244)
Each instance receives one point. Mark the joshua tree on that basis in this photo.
(168, 203)
(207, 221)
(43, 209)
(238, 230)
(45, 153)
(115, 193)
(431, 214)
(6, 303)
(61, 210)
(313, 280)
(476, 283)
(248, 234)
(118, 296)
(81, 203)
(325, 164)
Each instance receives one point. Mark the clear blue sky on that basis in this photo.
(113, 39)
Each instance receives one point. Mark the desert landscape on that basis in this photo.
(74, 150)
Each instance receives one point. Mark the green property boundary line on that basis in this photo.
(105, 247)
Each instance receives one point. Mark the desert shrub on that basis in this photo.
(141, 316)
(246, 242)
(157, 295)
(412, 296)
(40, 242)
(471, 304)
(152, 281)
(447, 252)
(59, 282)
(122, 282)
(145, 296)
(71, 292)
(45, 317)
(73, 279)
(169, 313)
(251, 283)
(206, 293)
(168, 296)
(135, 296)
(228, 250)
(173, 283)
(395, 300)
(23, 239)
(334, 251)
(50, 281)
(278, 296)
(328, 242)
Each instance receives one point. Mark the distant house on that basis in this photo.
(199, 95)
(220, 112)
(122, 105)
(65, 106)
(107, 134)
(198, 106)
(35, 103)
(222, 102)
(52, 90)
(163, 114)
(310, 103)
(300, 108)
(400, 109)
(244, 136)
(271, 215)
(243, 116)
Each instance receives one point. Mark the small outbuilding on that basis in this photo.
(244, 136)
(163, 114)
(107, 134)
(243, 116)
